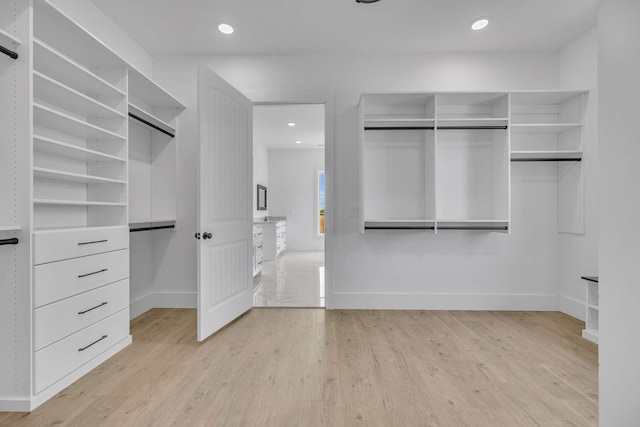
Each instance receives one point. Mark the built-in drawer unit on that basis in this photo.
(63, 279)
(56, 245)
(60, 359)
(60, 319)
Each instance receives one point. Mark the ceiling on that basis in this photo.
(270, 126)
(189, 27)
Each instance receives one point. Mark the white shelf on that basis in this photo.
(56, 120)
(543, 97)
(142, 87)
(152, 221)
(472, 122)
(73, 177)
(398, 123)
(10, 228)
(139, 112)
(75, 203)
(53, 92)
(63, 149)
(53, 63)
(544, 128)
(6, 38)
(545, 155)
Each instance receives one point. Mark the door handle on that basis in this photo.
(198, 236)
(207, 235)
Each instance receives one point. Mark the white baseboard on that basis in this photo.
(386, 301)
(572, 307)
(163, 300)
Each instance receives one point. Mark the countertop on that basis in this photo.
(271, 220)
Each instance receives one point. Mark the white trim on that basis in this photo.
(572, 307)
(406, 301)
(162, 300)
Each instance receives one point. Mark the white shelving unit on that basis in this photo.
(65, 183)
(435, 161)
(547, 126)
(442, 161)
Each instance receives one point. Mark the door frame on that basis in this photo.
(276, 97)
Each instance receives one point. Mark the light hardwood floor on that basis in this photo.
(308, 367)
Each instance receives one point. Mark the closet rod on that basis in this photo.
(13, 241)
(472, 127)
(159, 227)
(471, 227)
(399, 228)
(573, 159)
(400, 128)
(8, 52)
(140, 119)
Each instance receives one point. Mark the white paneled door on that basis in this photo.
(225, 211)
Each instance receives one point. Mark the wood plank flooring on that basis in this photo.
(308, 367)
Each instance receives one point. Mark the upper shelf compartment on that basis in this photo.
(546, 108)
(472, 107)
(398, 111)
(149, 119)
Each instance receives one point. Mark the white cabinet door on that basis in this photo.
(225, 209)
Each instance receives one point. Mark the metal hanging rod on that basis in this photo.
(13, 241)
(8, 52)
(471, 227)
(158, 128)
(472, 128)
(572, 159)
(399, 128)
(398, 228)
(159, 227)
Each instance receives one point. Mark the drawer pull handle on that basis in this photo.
(92, 243)
(93, 308)
(91, 274)
(95, 342)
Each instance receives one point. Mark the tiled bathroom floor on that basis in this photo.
(295, 279)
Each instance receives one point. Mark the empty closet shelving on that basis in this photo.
(398, 154)
(152, 154)
(435, 161)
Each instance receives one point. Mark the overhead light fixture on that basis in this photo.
(225, 28)
(291, 124)
(298, 141)
(479, 24)
(366, 1)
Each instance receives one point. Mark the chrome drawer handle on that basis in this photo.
(91, 274)
(93, 308)
(94, 242)
(95, 342)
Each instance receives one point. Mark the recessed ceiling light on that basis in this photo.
(298, 141)
(479, 24)
(225, 28)
(291, 124)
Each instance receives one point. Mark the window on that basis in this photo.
(320, 203)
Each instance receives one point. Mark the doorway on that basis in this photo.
(289, 205)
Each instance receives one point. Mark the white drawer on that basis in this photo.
(58, 320)
(63, 279)
(54, 362)
(56, 245)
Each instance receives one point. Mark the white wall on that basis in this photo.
(292, 178)
(260, 175)
(579, 252)
(619, 255)
(100, 25)
(455, 270)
